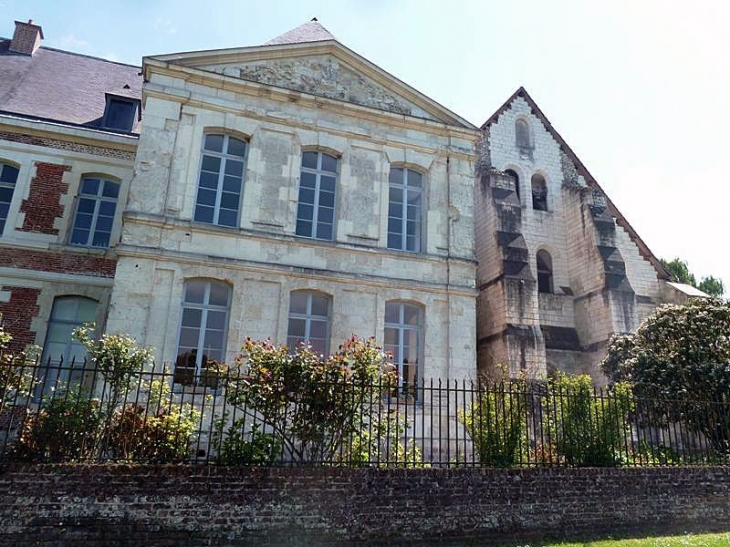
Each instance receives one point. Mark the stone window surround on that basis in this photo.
(421, 240)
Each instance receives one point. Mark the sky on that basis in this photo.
(640, 90)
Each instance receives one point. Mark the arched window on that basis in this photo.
(317, 184)
(405, 206)
(544, 272)
(203, 330)
(403, 326)
(522, 134)
(62, 353)
(309, 320)
(95, 209)
(221, 180)
(8, 178)
(539, 193)
(516, 179)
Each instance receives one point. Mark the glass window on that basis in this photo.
(203, 330)
(120, 114)
(544, 272)
(220, 183)
(522, 134)
(516, 179)
(405, 203)
(95, 209)
(309, 314)
(539, 193)
(62, 353)
(403, 341)
(317, 187)
(8, 178)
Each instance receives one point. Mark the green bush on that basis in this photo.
(67, 429)
(586, 429)
(238, 447)
(497, 423)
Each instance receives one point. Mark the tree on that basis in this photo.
(679, 269)
(680, 353)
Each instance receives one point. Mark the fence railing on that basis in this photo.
(51, 412)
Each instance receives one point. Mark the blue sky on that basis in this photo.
(640, 90)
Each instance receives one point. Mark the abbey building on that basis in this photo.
(296, 191)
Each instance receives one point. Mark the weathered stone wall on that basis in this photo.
(179, 505)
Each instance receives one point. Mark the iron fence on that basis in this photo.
(51, 412)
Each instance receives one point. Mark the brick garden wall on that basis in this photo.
(179, 505)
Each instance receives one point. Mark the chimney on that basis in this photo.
(27, 38)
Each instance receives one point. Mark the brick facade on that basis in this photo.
(43, 206)
(180, 505)
(18, 312)
(58, 262)
(67, 145)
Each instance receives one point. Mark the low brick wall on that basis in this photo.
(179, 505)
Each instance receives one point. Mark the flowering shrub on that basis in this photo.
(314, 406)
(16, 374)
(236, 446)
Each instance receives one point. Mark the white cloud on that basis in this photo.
(69, 41)
(164, 25)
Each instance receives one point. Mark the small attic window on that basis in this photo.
(120, 113)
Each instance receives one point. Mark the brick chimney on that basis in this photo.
(27, 38)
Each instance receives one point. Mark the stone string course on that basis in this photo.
(180, 505)
(66, 145)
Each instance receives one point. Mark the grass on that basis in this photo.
(689, 540)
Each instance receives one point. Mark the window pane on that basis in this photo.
(83, 221)
(236, 147)
(394, 241)
(214, 143)
(327, 199)
(104, 223)
(107, 208)
(9, 174)
(306, 195)
(395, 225)
(87, 205)
(392, 311)
(80, 237)
(318, 329)
(396, 175)
(189, 337)
(309, 160)
(391, 336)
(234, 168)
(213, 340)
(203, 214)
(208, 180)
(327, 183)
(414, 198)
(305, 212)
(216, 320)
(414, 179)
(410, 315)
(90, 186)
(329, 163)
(120, 115)
(308, 180)
(320, 305)
(195, 292)
(304, 228)
(206, 197)
(296, 327)
(411, 243)
(212, 164)
(324, 231)
(111, 189)
(191, 317)
(101, 239)
(396, 195)
(298, 302)
(6, 194)
(226, 217)
(218, 294)
(229, 200)
(326, 215)
(319, 346)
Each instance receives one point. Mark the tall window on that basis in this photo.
(95, 210)
(309, 314)
(405, 209)
(403, 340)
(544, 272)
(8, 178)
(516, 179)
(221, 180)
(539, 193)
(522, 134)
(316, 210)
(203, 329)
(62, 353)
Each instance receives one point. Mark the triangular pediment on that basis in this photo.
(323, 68)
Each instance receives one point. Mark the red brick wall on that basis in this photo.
(49, 261)
(42, 207)
(18, 313)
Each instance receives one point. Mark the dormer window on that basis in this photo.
(121, 113)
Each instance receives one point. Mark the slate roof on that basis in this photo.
(63, 86)
(311, 31)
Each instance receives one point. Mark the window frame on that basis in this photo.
(12, 186)
(318, 172)
(545, 189)
(512, 174)
(307, 317)
(110, 98)
(205, 307)
(420, 244)
(98, 199)
(224, 157)
(401, 327)
(527, 133)
(548, 271)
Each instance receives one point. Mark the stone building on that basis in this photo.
(296, 191)
(560, 268)
(68, 137)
